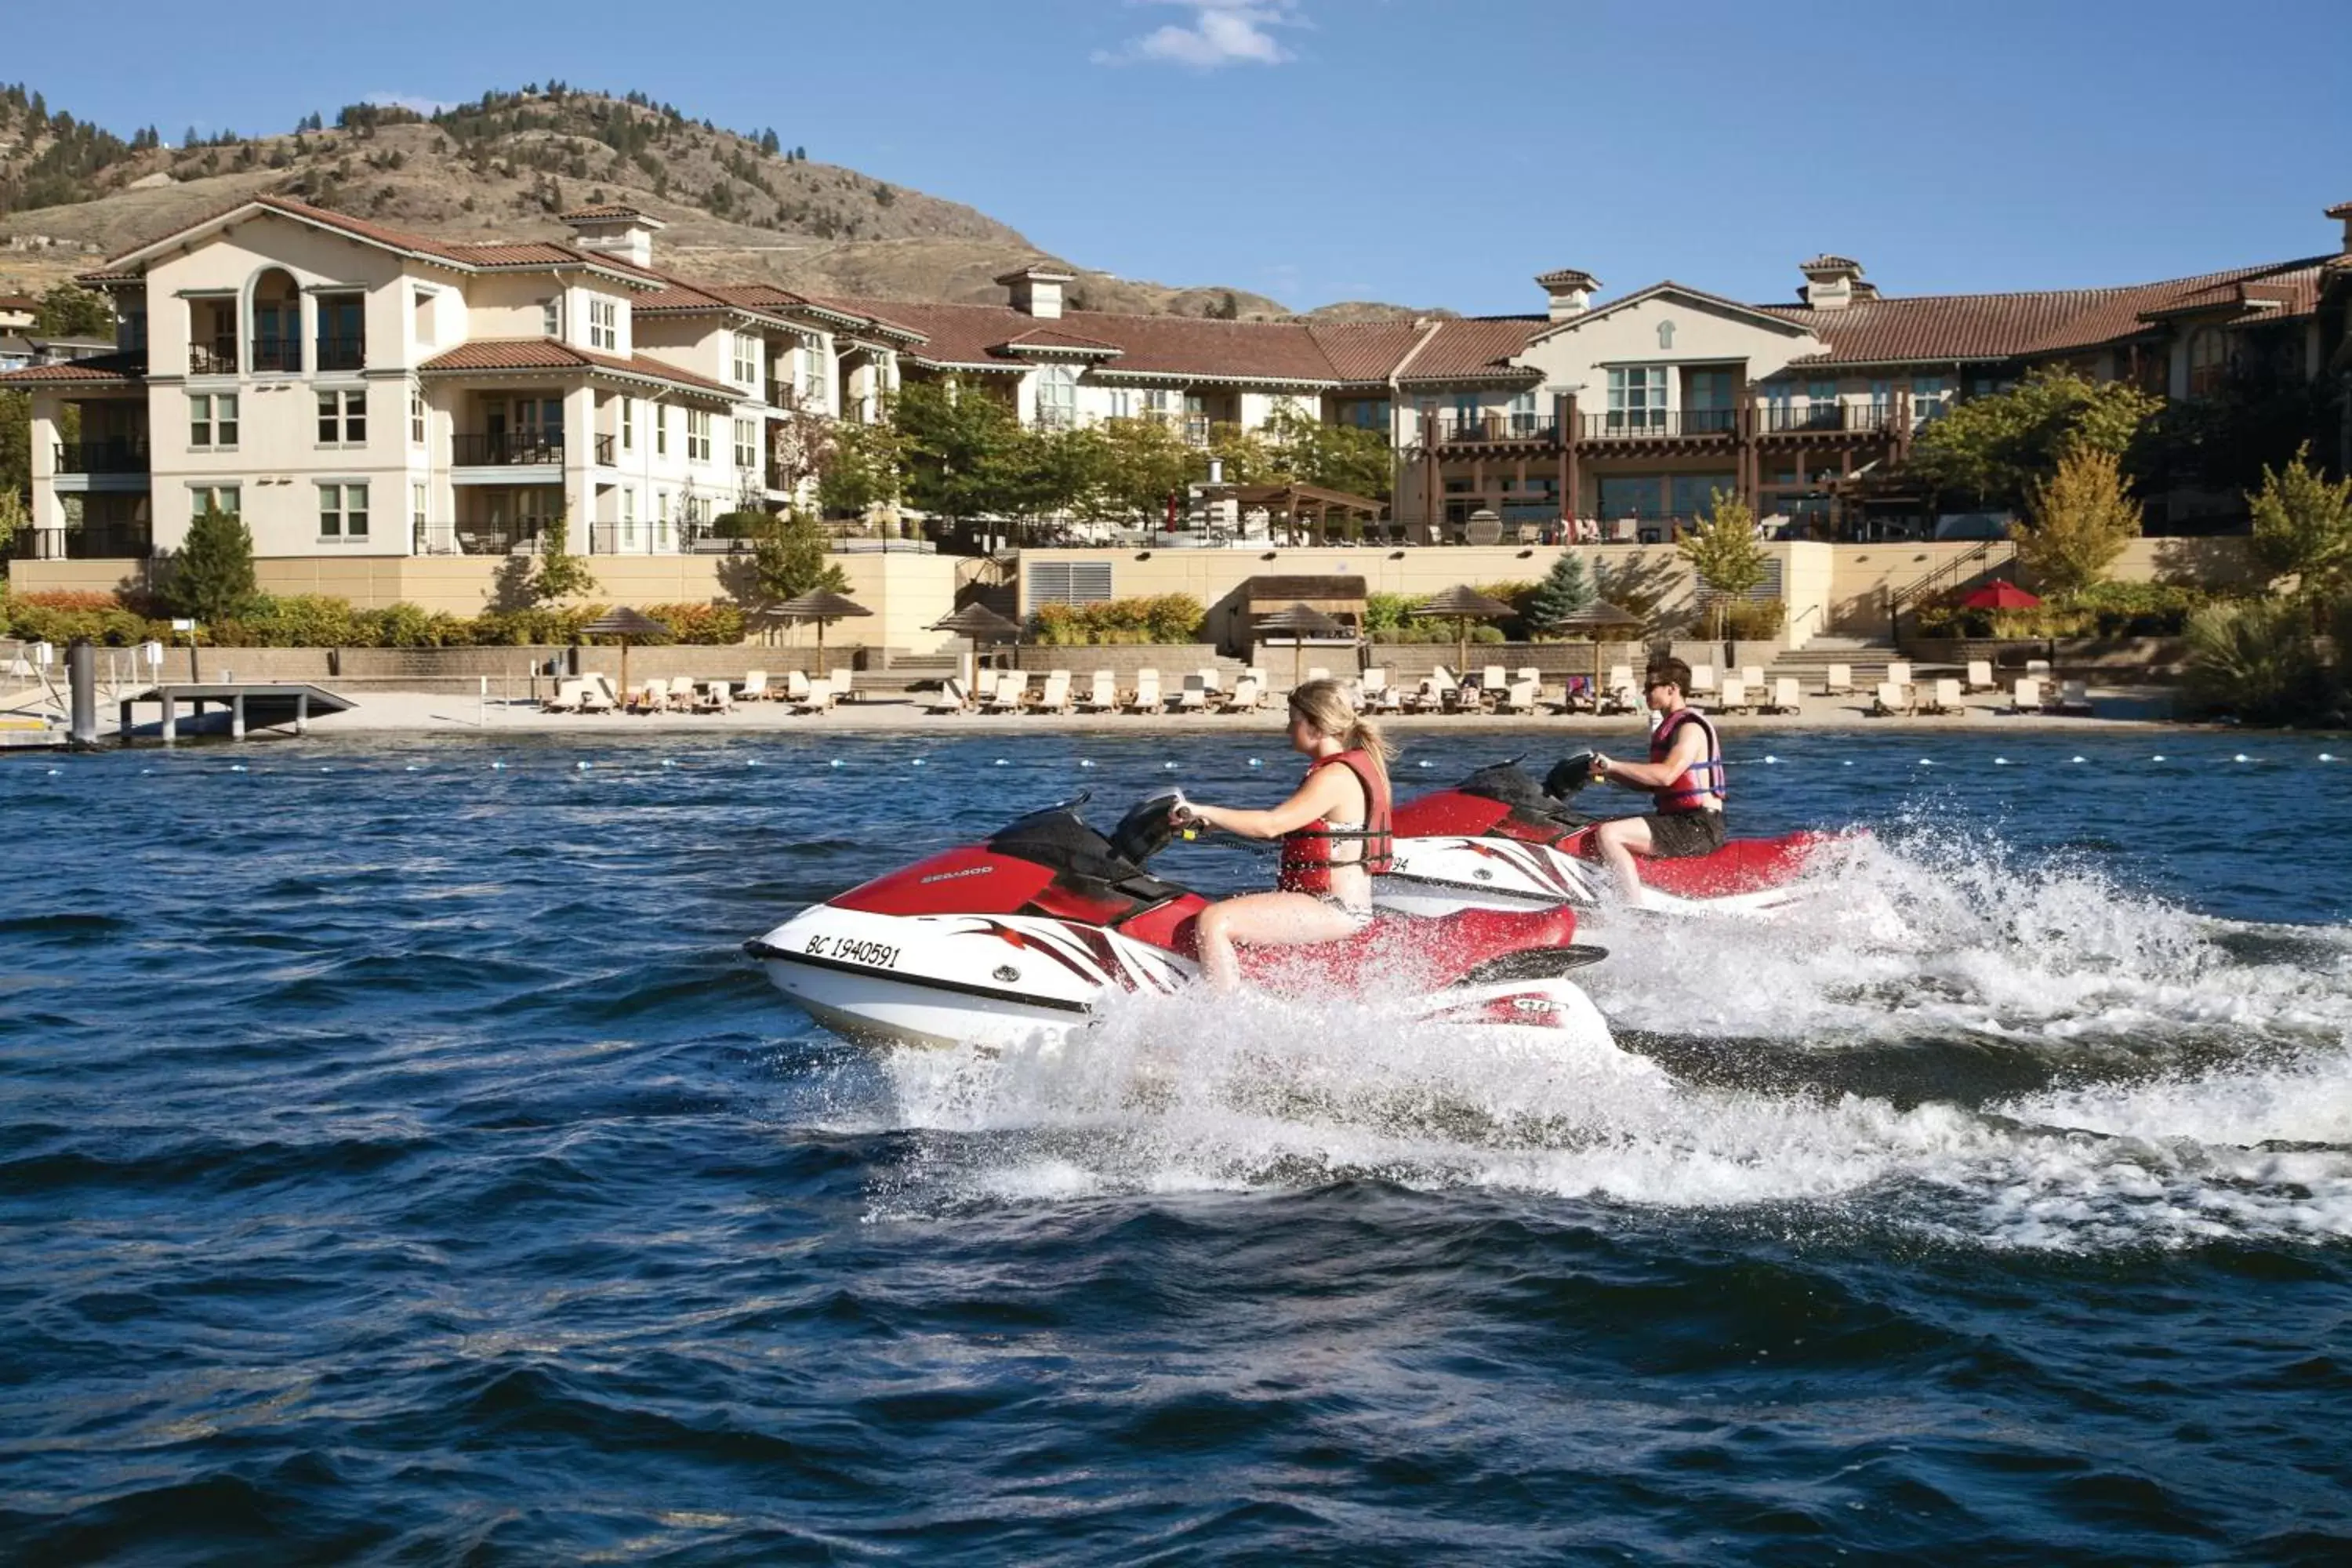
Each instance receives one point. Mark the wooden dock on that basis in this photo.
(250, 704)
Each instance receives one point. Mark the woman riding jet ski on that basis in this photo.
(1498, 840)
(1036, 927)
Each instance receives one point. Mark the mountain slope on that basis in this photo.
(738, 206)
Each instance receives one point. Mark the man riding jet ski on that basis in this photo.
(1498, 840)
(1035, 928)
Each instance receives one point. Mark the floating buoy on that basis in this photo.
(836, 761)
(2327, 756)
(2160, 757)
(751, 762)
(582, 766)
(1085, 762)
(2000, 761)
(1849, 762)
(2242, 757)
(411, 768)
(330, 770)
(1003, 763)
(497, 767)
(1425, 765)
(1769, 759)
(2073, 759)
(239, 767)
(670, 761)
(1926, 761)
(916, 764)
(1256, 763)
(55, 771)
(1168, 767)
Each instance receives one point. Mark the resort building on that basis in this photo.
(352, 390)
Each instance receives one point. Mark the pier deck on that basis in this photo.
(250, 703)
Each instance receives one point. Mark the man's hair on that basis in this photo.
(1672, 670)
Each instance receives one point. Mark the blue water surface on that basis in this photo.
(399, 1164)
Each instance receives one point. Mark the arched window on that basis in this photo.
(2209, 362)
(1057, 397)
(1665, 334)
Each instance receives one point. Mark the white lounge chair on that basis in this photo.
(796, 688)
(1839, 682)
(1949, 698)
(1380, 693)
(716, 698)
(1317, 672)
(1893, 697)
(1195, 698)
(1979, 676)
(1246, 697)
(2025, 697)
(1012, 693)
(1734, 699)
(2075, 698)
(1785, 696)
(568, 695)
(1702, 681)
(1492, 678)
(600, 697)
(823, 694)
(983, 688)
(1055, 698)
(1617, 692)
(1439, 691)
(1212, 681)
(755, 687)
(1518, 697)
(951, 698)
(2038, 668)
(1146, 693)
(651, 697)
(1753, 674)
(1102, 694)
(1899, 671)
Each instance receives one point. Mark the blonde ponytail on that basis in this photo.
(1325, 704)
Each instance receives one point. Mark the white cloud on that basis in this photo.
(1224, 33)
(416, 102)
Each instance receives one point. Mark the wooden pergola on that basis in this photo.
(1340, 597)
(1288, 503)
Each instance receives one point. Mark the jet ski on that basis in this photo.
(1500, 840)
(1034, 929)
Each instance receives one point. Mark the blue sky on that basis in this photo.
(1423, 152)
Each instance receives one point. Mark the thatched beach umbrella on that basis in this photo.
(1462, 606)
(624, 623)
(823, 607)
(1301, 621)
(982, 624)
(1591, 621)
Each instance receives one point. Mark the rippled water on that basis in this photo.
(397, 1164)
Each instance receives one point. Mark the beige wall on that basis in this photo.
(1579, 353)
(1863, 574)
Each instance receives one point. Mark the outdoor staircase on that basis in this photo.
(1866, 657)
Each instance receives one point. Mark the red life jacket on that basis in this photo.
(1306, 852)
(1701, 785)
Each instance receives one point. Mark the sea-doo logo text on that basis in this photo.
(951, 876)
(849, 950)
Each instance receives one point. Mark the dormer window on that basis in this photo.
(747, 360)
(551, 317)
(604, 325)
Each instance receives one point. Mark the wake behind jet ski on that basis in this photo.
(1036, 927)
(1500, 840)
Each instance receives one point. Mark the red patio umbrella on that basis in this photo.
(2000, 593)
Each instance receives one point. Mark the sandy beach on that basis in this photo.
(415, 712)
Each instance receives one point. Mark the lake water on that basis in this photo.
(398, 1163)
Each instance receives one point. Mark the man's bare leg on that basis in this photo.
(1620, 839)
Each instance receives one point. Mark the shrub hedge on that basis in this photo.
(2102, 610)
(315, 620)
(1155, 618)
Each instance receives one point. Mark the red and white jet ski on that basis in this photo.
(1034, 929)
(1498, 840)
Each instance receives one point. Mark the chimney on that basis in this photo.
(1036, 290)
(614, 230)
(2343, 210)
(1834, 282)
(1570, 291)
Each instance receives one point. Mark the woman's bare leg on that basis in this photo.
(1263, 920)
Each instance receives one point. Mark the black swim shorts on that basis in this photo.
(1678, 835)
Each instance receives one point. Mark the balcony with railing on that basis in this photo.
(96, 540)
(515, 448)
(508, 537)
(212, 356)
(1661, 423)
(1790, 419)
(119, 455)
(277, 355)
(1513, 426)
(342, 352)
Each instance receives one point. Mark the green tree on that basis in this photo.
(2303, 525)
(1725, 552)
(2084, 516)
(212, 576)
(67, 311)
(1335, 457)
(1565, 589)
(16, 445)
(15, 518)
(788, 559)
(861, 468)
(1995, 449)
(561, 573)
(959, 445)
(1144, 461)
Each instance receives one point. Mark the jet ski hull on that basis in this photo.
(1441, 875)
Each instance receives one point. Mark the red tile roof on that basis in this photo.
(1368, 351)
(603, 213)
(1931, 327)
(546, 354)
(1474, 348)
(1045, 339)
(1176, 347)
(122, 367)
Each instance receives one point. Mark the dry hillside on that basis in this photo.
(738, 206)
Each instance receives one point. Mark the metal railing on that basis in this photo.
(476, 538)
(94, 541)
(1504, 427)
(1949, 573)
(508, 448)
(342, 353)
(282, 355)
(1787, 418)
(116, 456)
(216, 357)
(1656, 424)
